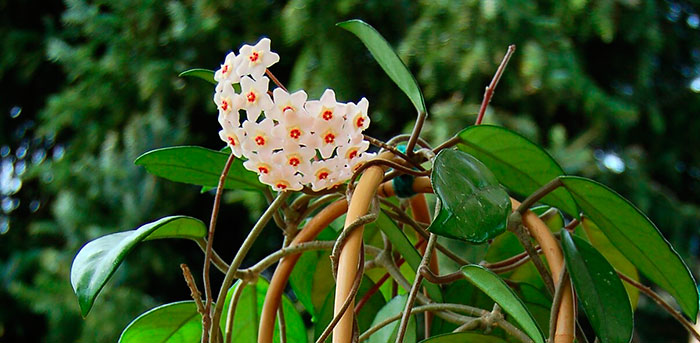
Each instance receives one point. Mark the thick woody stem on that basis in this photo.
(349, 255)
(284, 268)
(550, 247)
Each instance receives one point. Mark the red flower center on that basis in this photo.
(263, 169)
(260, 140)
(360, 122)
(231, 141)
(294, 161)
(281, 185)
(295, 133)
(224, 69)
(254, 57)
(322, 175)
(352, 154)
(288, 107)
(329, 138)
(327, 115)
(224, 105)
(251, 97)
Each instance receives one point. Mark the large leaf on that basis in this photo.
(637, 238)
(387, 59)
(249, 308)
(603, 298)
(517, 163)
(198, 166)
(497, 289)
(464, 337)
(474, 207)
(170, 323)
(403, 245)
(204, 74)
(617, 260)
(98, 259)
(388, 333)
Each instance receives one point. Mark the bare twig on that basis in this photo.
(283, 324)
(275, 80)
(515, 226)
(494, 82)
(194, 291)
(415, 133)
(206, 317)
(215, 258)
(394, 150)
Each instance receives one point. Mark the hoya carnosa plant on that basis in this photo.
(291, 142)
(309, 159)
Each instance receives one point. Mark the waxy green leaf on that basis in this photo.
(198, 166)
(464, 337)
(517, 163)
(170, 323)
(388, 333)
(617, 260)
(248, 311)
(637, 238)
(99, 259)
(387, 59)
(474, 207)
(204, 74)
(497, 289)
(603, 298)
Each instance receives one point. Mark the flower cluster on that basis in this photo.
(289, 141)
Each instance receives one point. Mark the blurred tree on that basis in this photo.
(611, 87)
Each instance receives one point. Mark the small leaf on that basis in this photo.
(170, 323)
(99, 259)
(617, 260)
(387, 59)
(603, 298)
(464, 337)
(249, 308)
(474, 207)
(388, 333)
(517, 163)
(204, 74)
(403, 245)
(495, 288)
(637, 238)
(197, 166)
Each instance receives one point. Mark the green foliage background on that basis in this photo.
(97, 83)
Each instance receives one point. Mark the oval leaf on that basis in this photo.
(495, 288)
(387, 59)
(603, 298)
(388, 333)
(517, 163)
(474, 207)
(617, 260)
(170, 323)
(99, 259)
(637, 238)
(464, 337)
(197, 166)
(204, 74)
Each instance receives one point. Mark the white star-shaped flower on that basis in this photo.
(260, 163)
(228, 102)
(294, 158)
(232, 135)
(286, 103)
(281, 181)
(227, 72)
(255, 97)
(255, 59)
(325, 174)
(259, 137)
(329, 135)
(357, 116)
(327, 109)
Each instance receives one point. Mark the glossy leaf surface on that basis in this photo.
(497, 289)
(474, 207)
(617, 260)
(517, 163)
(388, 333)
(387, 59)
(637, 238)
(99, 259)
(602, 296)
(197, 166)
(170, 323)
(204, 74)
